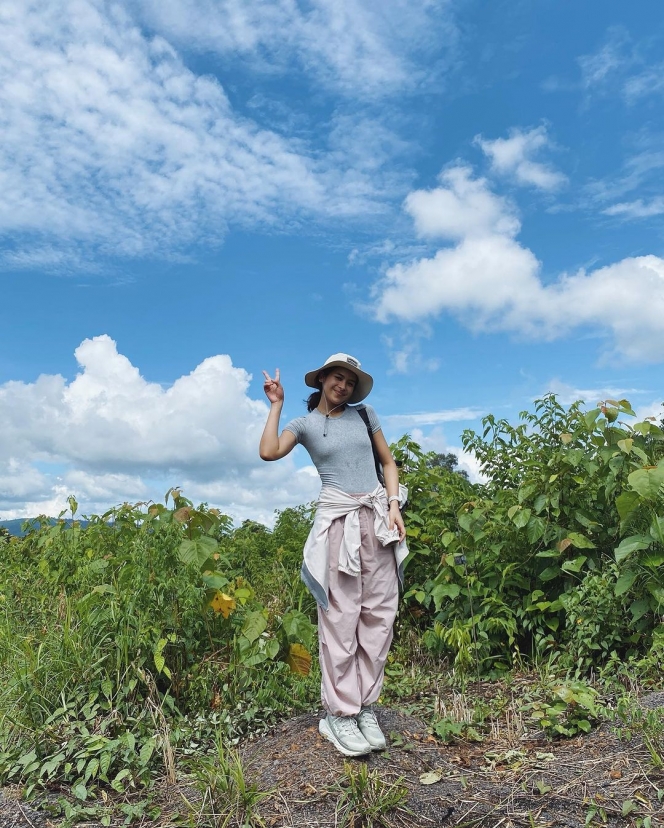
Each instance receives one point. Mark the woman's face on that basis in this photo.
(338, 385)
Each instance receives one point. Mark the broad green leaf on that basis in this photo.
(657, 592)
(512, 511)
(298, 627)
(215, 580)
(580, 541)
(159, 662)
(549, 573)
(575, 565)
(146, 752)
(625, 581)
(535, 530)
(80, 791)
(648, 482)
(640, 453)
(197, 551)
(441, 591)
(573, 457)
(653, 558)
(626, 503)
(116, 784)
(521, 518)
(625, 407)
(626, 445)
(104, 763)
(657, 529)
(255, 659)
(631, 544)
(272, 648)
(92, 768)
(27, 758)
(639, 608)
(540, 503)
(254, 625)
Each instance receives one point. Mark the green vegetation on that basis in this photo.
(557, 556)
(146, 642)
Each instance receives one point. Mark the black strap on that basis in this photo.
(362, 411)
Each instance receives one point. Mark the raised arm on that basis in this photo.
(272, 445)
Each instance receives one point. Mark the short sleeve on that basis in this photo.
(296, 427)
(374, 422)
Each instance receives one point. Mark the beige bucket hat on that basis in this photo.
(364, 380)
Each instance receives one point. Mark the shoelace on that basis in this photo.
(368, 717)
(346, 725)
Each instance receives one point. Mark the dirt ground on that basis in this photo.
(502, 781)
(512, 779)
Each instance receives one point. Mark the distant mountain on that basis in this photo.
(14, 526)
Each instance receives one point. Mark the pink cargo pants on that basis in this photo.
(356, 631)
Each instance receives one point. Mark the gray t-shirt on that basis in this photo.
(343, 458)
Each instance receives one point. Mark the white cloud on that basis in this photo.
(598, 68)
(491, 282)
(624, 67)
(111, 144)
(463, 206)
(637, 209)
(435, 441)
(350, 45)
(641, 175)
(568, 394)
(513, 157)
(405, 352)
(420, 418)
(118, 436)
(649, 82)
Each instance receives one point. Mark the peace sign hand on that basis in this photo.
(273, 388)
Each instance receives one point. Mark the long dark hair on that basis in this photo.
(313, 400)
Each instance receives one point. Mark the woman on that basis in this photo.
(354, 552)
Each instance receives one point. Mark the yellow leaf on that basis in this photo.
(566, 438)
(299, 659)
(223, 603)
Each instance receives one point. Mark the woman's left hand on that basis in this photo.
(396, 520)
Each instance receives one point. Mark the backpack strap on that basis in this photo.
(362, 411)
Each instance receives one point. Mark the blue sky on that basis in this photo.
(467, 196)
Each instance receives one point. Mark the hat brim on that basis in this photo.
(361, 390)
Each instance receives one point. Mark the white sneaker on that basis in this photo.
(370, 729)
(344, 734)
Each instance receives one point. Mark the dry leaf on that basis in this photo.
(299, 659)
(431, 777)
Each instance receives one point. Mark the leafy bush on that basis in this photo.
(132, 636)
(559, 551)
